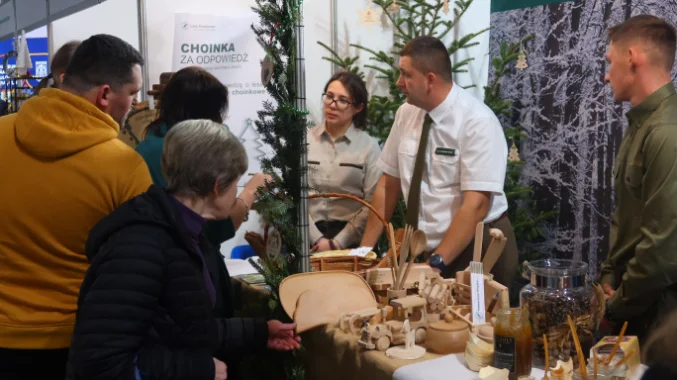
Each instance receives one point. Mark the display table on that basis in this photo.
(441, 369)
(332, 354)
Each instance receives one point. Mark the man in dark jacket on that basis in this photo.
(147, 305)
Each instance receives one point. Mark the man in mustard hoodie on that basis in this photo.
(62, 169)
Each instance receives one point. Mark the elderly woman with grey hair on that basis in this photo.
(146, 306)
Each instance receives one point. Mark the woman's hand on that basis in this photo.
(281, 336)
(321, 246)
(257, 180)
(220, 370)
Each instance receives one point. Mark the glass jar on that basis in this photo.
(600, 376)
(559, 289)
(513, 343)
(611, 372)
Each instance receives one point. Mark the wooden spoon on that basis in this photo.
(419, 242)
(404, 252)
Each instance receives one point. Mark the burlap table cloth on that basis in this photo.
(332, 354)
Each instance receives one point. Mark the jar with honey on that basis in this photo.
(513, 343)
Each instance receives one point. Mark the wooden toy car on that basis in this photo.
(384, 334)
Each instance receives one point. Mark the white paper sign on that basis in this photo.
(477, 290)
(362, 251)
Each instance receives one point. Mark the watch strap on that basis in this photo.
(440, 264)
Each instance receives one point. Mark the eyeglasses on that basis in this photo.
(341, 104)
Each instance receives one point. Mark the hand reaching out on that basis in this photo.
(257, 180)
(324, 245)
(220, 370)
(281, 336)
(608, 290)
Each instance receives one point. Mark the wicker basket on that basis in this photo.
(346, 263)
(350, 263)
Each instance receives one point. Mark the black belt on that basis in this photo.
(503, 216)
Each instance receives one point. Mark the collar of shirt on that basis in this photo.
(638, 114)
(446, 107)
(350, 135)
(191, 220)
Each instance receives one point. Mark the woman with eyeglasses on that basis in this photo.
(342, 159)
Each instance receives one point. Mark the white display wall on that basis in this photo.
(119, 17)
(115, 17)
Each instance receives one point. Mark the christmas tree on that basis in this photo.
(413, 18)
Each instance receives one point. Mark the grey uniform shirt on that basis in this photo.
(346, 165)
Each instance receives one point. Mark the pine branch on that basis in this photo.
(465, 41)
(456, 67)
(435, 19)
(384, 7)
(463, 6)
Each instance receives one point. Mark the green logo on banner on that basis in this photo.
(4, 20)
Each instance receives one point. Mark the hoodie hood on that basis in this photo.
(57, 124)
(154, 208)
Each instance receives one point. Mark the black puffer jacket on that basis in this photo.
(144, 304)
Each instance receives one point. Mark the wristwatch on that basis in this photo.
(437, 262)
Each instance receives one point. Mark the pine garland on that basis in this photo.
(282, 127)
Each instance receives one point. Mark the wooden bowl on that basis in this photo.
(447, 337)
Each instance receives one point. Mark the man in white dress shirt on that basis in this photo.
(447, 154)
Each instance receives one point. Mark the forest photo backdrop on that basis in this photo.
(574, 127)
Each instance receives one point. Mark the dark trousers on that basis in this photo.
(505, 269)
(33, 364)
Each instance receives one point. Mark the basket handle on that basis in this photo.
(384, 260)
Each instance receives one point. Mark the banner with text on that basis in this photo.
(226, 46)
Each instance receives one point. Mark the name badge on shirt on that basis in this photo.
(445, 152)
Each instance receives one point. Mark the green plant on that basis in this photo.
(282, 126)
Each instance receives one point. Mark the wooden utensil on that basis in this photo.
(579, 351)
(392, 270)
(477, 253)
(391, 231)
(625, 359)
(495, 249)
(419, 242)
(404, 252)
(392, 260)
(479, 235)
(547, 356)
(618, 343)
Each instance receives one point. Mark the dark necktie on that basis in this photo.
(414, 198)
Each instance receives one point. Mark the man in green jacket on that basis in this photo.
(640, 274)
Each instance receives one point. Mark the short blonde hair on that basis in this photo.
(198, 154)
